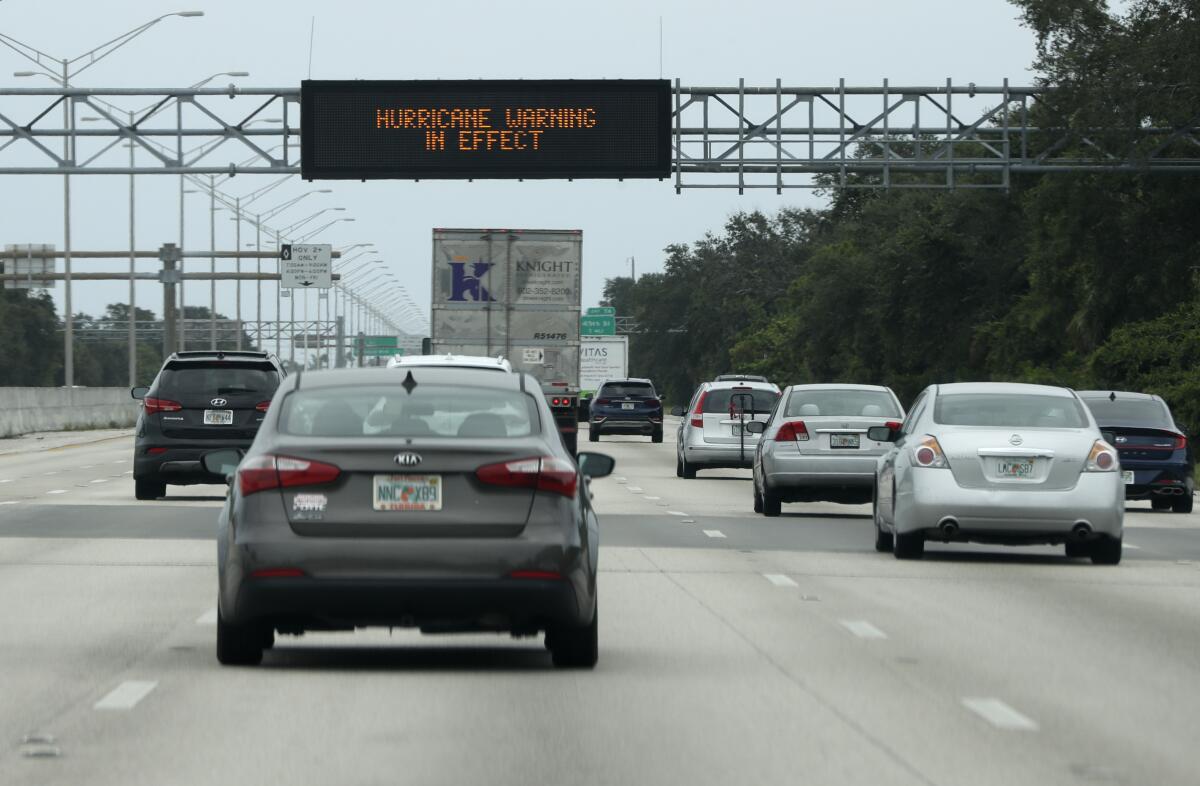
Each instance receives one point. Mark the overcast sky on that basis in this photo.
(807, 42)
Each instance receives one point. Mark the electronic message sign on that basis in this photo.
(461, 129)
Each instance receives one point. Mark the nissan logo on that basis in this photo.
(408, 459)
(218, 402)
(1015, 439)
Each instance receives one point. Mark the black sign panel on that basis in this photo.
(611, 128)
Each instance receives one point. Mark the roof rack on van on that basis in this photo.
(201, 353)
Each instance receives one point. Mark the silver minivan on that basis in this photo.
(713, 434)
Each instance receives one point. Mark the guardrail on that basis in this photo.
(23, 410)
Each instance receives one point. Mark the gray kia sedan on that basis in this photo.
(442, 499)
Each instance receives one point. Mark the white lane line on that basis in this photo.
(100, 480)
(1131, 546)
(714, 533)
(87, 466)
(780, 580)
(676, 512)
(126, 695)
(121, 461)
(57, 491)
(655, 499)
(6, 480)
(10, 502)
(207, 618)
(634, 489)
(999, 714)
(862, 629)
(127, 472)
(688, 521)
(48, 474)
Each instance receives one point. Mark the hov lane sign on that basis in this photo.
(306, 266)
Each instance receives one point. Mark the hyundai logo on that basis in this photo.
(1015, 439)
(408, 459)
(218, 402)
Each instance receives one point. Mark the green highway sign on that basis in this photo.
(598, 325)
(600, 311)
(377, 346)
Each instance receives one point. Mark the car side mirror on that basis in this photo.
(756, 427)
(222, 462)
(678, 411)
(882, 434)
(595, 465)
(139, 392)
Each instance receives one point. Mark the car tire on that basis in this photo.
(883, 540)
(1160, 503)
(149, 488)
(1182, 504)
(908, 545)
(593, 434)
(758, 502)
(689, 470)
(575, 647)
(678, 466)
(239, 645)
(772, 503)
(1106, 551)
(656, 436)
(1077, 549)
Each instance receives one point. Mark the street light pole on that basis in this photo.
(132, 272)
(212, 260)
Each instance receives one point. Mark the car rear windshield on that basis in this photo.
(429, 411)
(1009, 410)
(218, 379)
(841, 403)
(1145, 412)
(626, 390)
(755, 402)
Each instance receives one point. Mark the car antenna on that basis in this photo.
(1112, 396)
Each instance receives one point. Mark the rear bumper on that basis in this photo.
(625, 425)
(179, 465)
(724, 456)
(800, 471)
(1158, 481)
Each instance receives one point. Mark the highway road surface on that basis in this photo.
(734, 649)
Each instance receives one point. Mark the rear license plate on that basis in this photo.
(1019, 468)
(843, 441)
(408, 492)
(218, 417)
(1127, 476)
(628, 405)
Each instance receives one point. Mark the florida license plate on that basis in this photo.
(218, 417)
(1127, 476)
(408, 492)
(628, 405)
(1019, 468)
(843, 441)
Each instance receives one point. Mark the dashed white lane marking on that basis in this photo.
(780, 580)
(1131, 546)
(207, 618)
(6, 480)
(654, 499)
(10, 502)
(862, 629)
(127, 472)
(87, 466)
(47, 474)
(676, 512)
(999, 714)
(100, 480)
(634, 489)
(126, 695)
(714, 533)
(57, 491)
(120, 461)
(688, 521)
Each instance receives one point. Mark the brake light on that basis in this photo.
(155, 451)
(698, 412)
(1180, 442)
(153, 405)
(792, 430)
(894, 425)
(928, 453)
(1102, 458)
(604, 401)
(263, 406)
(271, 472)
(548, 473)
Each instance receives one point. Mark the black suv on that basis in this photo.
(200, 401)
(626, 406)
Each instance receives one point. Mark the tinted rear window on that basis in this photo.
(841, 403)
(218, 379)
(756, 402)
(1130, 412)
(430, 411)
(1009, 410)
(626, 390)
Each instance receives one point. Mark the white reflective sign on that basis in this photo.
(306, 266)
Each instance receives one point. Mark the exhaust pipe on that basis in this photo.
(1081, 531)
(948, 527)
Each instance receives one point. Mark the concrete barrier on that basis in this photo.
(23, 410)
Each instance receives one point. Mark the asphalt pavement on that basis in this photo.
(733, 649)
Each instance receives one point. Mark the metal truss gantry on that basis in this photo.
(744, 137)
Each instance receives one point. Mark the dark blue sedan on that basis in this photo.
(1156, 457)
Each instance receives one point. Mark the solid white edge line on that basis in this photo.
(862, 629)
(676, 513)
(780, 580)
(57, 491)
(1130, 546)
(100, 480)
(207, 618)
(714, 533)
(126, 695)
(10, 502)
(999, 714)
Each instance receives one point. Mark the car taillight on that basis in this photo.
(153, 405)
(792, 430)
(604, 401)
(928, 453)
(270, 472)
(263, 406)
(1180, 442)
(894, 425)
(698, 412)
(547, 473)
(1102, 458)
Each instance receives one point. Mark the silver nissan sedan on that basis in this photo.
(999, 463)
(442, 499)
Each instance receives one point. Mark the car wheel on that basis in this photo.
(593, 434)
(883, 540)
(689, 470)
(772, 503)
(1077, 549)
(1182, 504)
(576, 648)
(758, 503)
(908, 545)
(239, 645)
(148, 488)
(656, 436)
(1160, 503)
(678, 466)
(1106, 551)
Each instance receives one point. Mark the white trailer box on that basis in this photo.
(602, 358)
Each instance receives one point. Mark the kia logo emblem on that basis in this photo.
(218, 402)
(408, 459)
(1015, 439)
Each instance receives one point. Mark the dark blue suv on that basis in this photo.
(626, 406)
(1156, 457)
